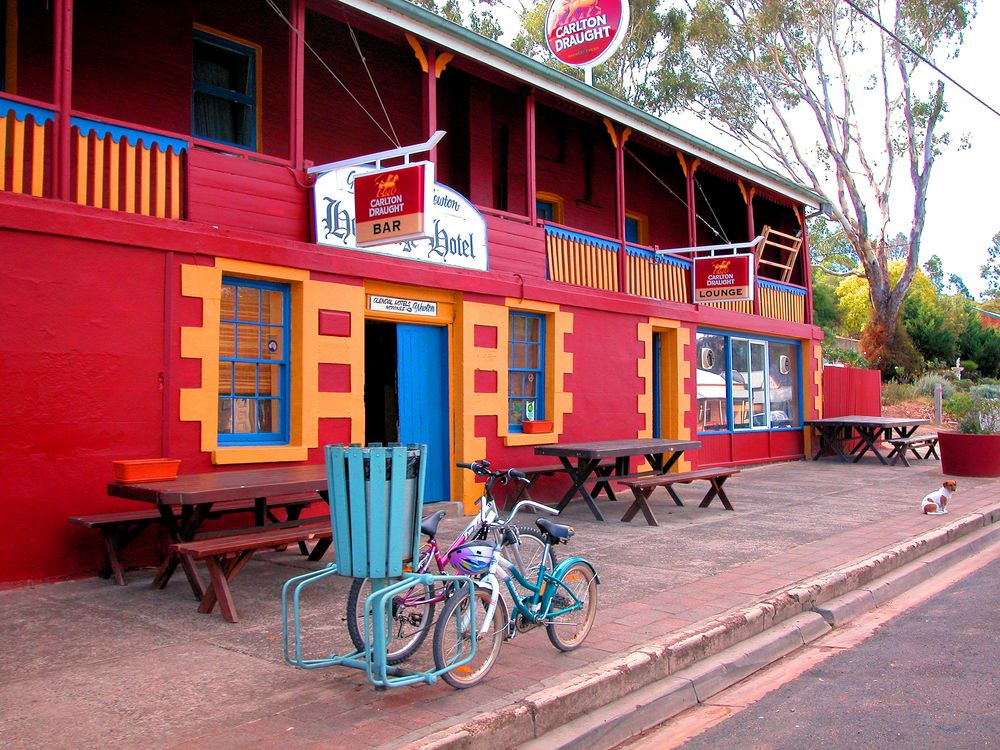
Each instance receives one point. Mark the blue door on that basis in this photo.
(422, 378)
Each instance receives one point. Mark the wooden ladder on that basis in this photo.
(777, 250)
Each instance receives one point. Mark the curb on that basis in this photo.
(610, 702)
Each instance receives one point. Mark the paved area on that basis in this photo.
(90, 664)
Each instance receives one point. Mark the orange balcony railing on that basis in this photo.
(658, 276)
(581, 259)
(25, 141)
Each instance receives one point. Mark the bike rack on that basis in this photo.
(376, 502)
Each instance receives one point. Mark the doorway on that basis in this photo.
(406, 394)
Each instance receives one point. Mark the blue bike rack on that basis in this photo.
(376, 502)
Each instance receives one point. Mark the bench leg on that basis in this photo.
(677, 500)
(641, 496)
(222, 571)
(932, 451)
(319, 550)
(716, 489)
(113, 564)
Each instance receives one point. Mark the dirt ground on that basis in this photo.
(919, 409)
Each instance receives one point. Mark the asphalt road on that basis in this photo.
(929, 678)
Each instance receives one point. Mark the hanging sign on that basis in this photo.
(456, 231)
(392, 204)
(585, 33)
(723, 277)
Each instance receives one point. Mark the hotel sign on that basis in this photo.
(723, 277)
(391, 205)
(455, 230)
(381, 303)
(585, 33)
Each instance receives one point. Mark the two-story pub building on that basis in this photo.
(180, 278)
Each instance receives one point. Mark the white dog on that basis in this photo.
(937, 502)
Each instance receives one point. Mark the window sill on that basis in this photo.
(259, 454)
(525, 438)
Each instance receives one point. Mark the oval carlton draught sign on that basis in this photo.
(584, 33)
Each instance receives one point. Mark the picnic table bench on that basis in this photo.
(119, 529)
(901, 445)
(602, 471)
(643, 487)
(226, 555)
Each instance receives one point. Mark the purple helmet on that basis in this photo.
(473, 558)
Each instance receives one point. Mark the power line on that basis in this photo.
(919, 56)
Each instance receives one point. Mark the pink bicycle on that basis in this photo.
(413, 609)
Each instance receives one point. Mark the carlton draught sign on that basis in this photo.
(391, 205)
(723, 277)
(585, 33)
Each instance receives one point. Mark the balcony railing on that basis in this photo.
(591, 261)
(25, 144)
(125, 169)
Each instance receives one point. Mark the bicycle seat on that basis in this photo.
(557, 531)
(429, 525)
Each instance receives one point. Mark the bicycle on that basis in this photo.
(564, 601)
(413, 609)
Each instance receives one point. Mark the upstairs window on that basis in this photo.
(254, 362)
(549, 207)
(224, 103)
(526, 378)
(636, 228)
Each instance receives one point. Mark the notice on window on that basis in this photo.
(380, 303)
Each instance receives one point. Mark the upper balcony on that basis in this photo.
(570, 194)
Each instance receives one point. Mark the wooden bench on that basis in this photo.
(119, 529)
(533, 472)
(901, 445)
(226, 556)
(643, 488)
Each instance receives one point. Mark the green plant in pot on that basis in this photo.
(974, 449)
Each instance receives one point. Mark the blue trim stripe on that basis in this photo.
(586, 239)
(766, 284)
(133, 137)
(641, 252)
(21, 111)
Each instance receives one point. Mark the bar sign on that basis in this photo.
(393, 205)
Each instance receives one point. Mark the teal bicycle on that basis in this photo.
(475, 624)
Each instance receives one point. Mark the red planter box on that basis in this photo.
(533, 426)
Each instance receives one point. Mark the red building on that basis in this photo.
(177, 281)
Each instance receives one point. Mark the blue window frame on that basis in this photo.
(546, 210)
(746, 383)
(224, 91)
(526, 369)
(254, 349)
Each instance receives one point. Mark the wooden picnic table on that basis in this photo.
(864, 431)
(661, 454)
(197, 493)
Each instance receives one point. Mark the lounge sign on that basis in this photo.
(585, 33)
(723, 277)
(392, 205)
(456, 231)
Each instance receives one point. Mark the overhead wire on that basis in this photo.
(390, 136)
(919, 56)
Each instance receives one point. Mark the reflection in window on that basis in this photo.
(526, 368)
(713, 413)
(224, 91)
(253, 362)
(758, 390)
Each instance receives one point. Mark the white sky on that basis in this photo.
(962, 206)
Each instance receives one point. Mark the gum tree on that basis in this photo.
(813, 88)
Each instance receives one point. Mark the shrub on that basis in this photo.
(925, 385)
(895, 392)
(985, 390)
(848, 357)
(959, 405)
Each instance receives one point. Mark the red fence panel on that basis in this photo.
(851, 390)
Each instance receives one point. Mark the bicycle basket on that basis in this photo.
(473, 557)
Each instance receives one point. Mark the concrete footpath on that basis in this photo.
(686, 608)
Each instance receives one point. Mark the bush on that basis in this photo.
(985, 390)
(848, 357)
(895, 392)
(925, 385)
(959, 406)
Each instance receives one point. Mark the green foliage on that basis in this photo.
(935, 273)
(848, 357)
(958, 405)
(985, 391)
(826, 313)
(829, 248)
(925, 385)
(983, 417)
(894, 392)
(991, 270)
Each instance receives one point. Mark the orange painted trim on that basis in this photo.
(161, 183)
(114, 156)
(418, 51)
(98, 177)
(17, 173)
(441, 62)
(37, 160)
(82, 167)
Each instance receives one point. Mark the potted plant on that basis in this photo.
(532, 426)
(974, 449)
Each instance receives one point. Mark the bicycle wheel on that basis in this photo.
(453, 639)
(410, 619)
(570, 630)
